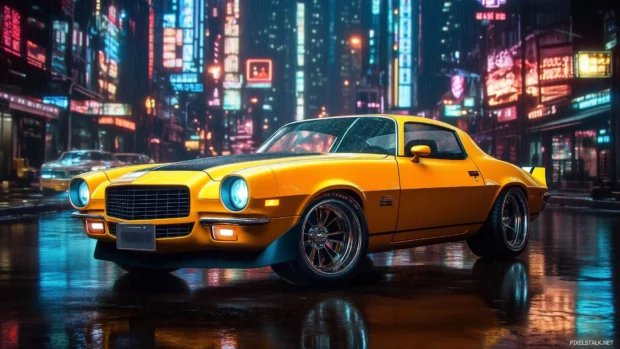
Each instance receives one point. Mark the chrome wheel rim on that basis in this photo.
(514, 221)
(331, 238)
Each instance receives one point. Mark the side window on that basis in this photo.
(444, 143)
(369, 135)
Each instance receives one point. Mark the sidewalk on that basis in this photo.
(21, 203)
(572, 199)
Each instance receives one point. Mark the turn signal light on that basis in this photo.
(272, 202)
(95, 227)
(224, 233)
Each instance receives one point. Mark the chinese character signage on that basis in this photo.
(556, 68)
(299, 74)
(593, 64)
(405, 51)
(11, 31)
(183, 43)
(232, 77)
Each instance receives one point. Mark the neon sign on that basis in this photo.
(405, 67)
(541, 111)
(491, 16)
(59, 101)
(452, 110)
(259, 72)
(11, 31)
(556, 68)
(29, 106)
(595, 64)
(299, 75)
(592, 100)
(552, 93)
(492, 3)
(506, 114)
(232, 78)
(151, 43)
(183, 43)
(35, 55)
(120, 122)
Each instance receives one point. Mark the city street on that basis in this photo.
(565, 287)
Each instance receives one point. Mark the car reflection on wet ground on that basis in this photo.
(565, 287)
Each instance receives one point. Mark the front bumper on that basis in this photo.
(254, 234)
(283, 249)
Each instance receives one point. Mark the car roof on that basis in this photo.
(398, 118)
(129, 154)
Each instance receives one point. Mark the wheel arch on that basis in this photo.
(346, 188)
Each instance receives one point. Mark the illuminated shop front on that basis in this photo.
(116, 134)
(573, 142)
(27, 130)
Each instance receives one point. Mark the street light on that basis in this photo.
(356, 41)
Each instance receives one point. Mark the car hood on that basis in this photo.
(221, 166)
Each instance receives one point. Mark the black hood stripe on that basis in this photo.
(207, 163)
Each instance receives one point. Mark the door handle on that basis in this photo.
(474, 173)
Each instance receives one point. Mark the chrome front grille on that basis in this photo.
(163, 231)
(138, 202)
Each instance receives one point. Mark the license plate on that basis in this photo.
(139, 237)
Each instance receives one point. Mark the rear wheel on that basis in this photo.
(505, 234)
(332, 244)
(139, 270)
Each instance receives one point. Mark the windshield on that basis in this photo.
(86, 156)
(373, 135)
(127, 158)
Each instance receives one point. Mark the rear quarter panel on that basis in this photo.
(499, 175)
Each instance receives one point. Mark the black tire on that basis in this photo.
(353, 247)
(139, 270)
(494, 240)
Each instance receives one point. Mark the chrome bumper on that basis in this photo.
(208, 221)
(79, 215)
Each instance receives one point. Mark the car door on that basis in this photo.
(440, 194)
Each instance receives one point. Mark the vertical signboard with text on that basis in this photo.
(405, 52)
(232, 76)
(183, 44)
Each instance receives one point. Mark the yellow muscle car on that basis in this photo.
(313, 201)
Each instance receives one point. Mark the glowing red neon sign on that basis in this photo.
(109, 120)
(11, 29)
(491, 16)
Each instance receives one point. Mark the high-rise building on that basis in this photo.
(347, 41)
(270, 38)
(449, 31)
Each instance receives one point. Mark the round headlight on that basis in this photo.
(239, 194)
(83, 194)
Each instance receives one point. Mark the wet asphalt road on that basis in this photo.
(565, 287)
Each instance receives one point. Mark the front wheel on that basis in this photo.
(139, 270)
(332, 244)
(505, 234)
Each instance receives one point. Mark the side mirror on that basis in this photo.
(420, 151)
